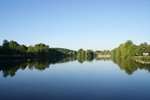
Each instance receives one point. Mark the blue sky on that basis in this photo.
(74, 24)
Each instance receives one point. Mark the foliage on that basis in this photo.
(143, 47)
(13, 48)
(104, 52)
(1, 49)
(38, 50)
(66, 51)
(124, 50)
(85, 55)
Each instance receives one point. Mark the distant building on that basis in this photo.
(146, 54)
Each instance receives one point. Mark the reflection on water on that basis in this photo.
(130, 65)
(9, 68)
(74, 79)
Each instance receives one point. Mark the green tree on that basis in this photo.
(81, 55)
(129, 48)
(5, 47)
(38, 50)
(1, 52)
(89, 55)
(113, 54)
(31, 50)
(125, 50)
(22, 49)
(143, 47)
(41, 49)
(13, 45)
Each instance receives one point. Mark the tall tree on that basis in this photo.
(1, 50)
(5, 47)
(13, 45)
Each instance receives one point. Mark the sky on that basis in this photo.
(75, 24)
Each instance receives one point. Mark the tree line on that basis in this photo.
(129, 49)
(12, 49)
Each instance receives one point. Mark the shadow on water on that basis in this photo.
(9, 68)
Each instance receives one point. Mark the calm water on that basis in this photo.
(71, 80)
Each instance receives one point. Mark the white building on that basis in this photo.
(145, 54)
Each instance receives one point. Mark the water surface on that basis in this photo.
(71, 80)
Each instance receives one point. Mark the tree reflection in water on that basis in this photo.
(9, 68)
(129, 65)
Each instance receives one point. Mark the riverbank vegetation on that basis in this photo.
(128, 56)
(130, 50)
(13, 50)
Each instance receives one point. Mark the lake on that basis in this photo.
(102, 79)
